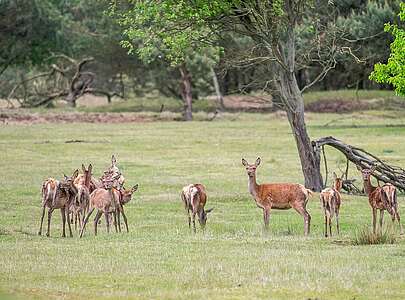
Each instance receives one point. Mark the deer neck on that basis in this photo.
(368, 187)
(253, 186)
(337, 187)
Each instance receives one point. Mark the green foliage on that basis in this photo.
(393, 72)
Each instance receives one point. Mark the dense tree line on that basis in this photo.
(37, 37)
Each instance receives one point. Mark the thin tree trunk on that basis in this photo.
(220, 99)
(186, 93)
(294, 105)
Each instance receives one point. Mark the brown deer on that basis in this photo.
(124, 197)
(381, 198)
(278, 196)
(330, 201)
(80, 204)
(58, 195)
(106, 200)
(194, 199)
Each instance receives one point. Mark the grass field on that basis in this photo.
(160, 258)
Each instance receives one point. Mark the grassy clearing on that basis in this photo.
(160, 258)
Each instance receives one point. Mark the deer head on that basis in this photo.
(127, 194)
(338, 181)
(87, 173)
(67, 183)
(366, 173)
(251, 168)
(202, 218)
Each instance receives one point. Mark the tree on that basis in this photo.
(393, 72)
(151, 30)
(275, 28)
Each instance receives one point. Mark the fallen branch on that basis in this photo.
(364, 159)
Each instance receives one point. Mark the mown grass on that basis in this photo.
(160, 258)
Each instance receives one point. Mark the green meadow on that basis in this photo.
(160, 258)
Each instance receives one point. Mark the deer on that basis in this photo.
(194, 198)
(58, 195)
(380, 198)
(282, 196)
(124, 197)
(330, 201)
(107, 200)
(80, 204)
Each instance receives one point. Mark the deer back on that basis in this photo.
(101, 199)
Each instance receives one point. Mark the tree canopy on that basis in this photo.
(393, 72)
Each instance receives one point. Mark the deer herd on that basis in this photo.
(77, 197)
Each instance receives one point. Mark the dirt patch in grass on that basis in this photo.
(74, 117)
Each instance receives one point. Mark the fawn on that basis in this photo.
(107, 200)
(278, 196)
(330, 201)
(382, 198)
(58, 195)
(194, 198)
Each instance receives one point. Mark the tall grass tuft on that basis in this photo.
(366, 236)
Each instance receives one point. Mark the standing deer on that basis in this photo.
(330, 201)
(124, 197)
(194, 198)
(278, 196)
(106, 200)
(80, 204)
(382, 198)
(58, 195)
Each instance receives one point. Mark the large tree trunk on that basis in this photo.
(294, 105)
(186, 93)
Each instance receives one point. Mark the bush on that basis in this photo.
(367, 237)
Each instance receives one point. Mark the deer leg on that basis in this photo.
(266, 217)
(381, 219)
(189, 218)
(50, 211)
(119, 221)
(374, 220)
(399, 222)
(115, 221)
(42, 220)
(96, 219)
(67, 218)
(194, 221)
(107, 221)
(337, 222)
(85, 221)
(326, 226)
(330, 225)
(62, 212)
(125, 220)
(307, 218)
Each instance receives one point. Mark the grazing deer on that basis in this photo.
(58, 195)
(330, 201)
(80, 204)
(106, 200)
(278, 196)
(381, 198)
(194, 198)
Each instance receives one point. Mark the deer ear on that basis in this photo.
(66, 178)
(75, 173)
(359, 168)
(209, 210)
(90, 168)
(134, 188)
(258, 160)
(244, 162)
(113, 160)
(83, 168)
(334, 175)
